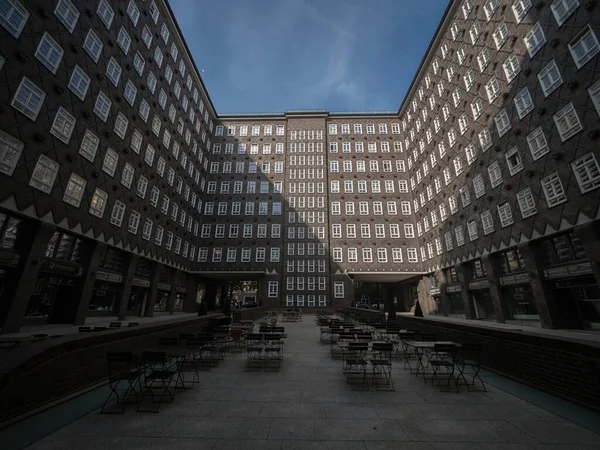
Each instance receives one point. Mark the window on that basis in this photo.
(28, 99)
(130, 92)
(134, 222)
(534, 39)
(49, 53)
(483, 59)
(567, 122)
(13, 17)
(79, 82)
(465, 196)
(495, 174)
(526, 203)
(338, 289)
(562, 9)
(553, 189)
(133, 12)
(520, 9)
(113, 71)
(511, 67)
(154, 12)
(109, 165)
(587, 172)
(500, 34)
(487, 222)
(105, 12)
(478, 185)
(594, 91)
(117, 214)
(460, 236)
(127, 175)
(502, 122)
(584, 47)
(63, 125)
(550, 78)
(492, 88)
(44, 174)
(98, 203)
(489, 8)
(523, 102)
(505, 214)
(273, 290)
(472, 230)
(102, 106)
(537, 143)
(10, 152)
(147, 36)
(74, 190)
(139, 63)
(514, 161)
(93, 45)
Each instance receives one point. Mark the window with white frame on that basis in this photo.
(28, 99)
(520, 9)
(487, 222)
(538, 146)
(492, 89)
(459, 235)
(523, 102)
(567, 122)
(562, 9)
(478, 185)
(502, 122)
(98, 203)
(10, 152)
(93, 45)
(118, 213)
(511, 67)
(113, 71)
(49, 53)
(514, 160)
(44, 174)
(526, 203)
(465, 196)
(587, 172)
(63, 125)
(109, 165)
(534, 39)
(74, 190)
(79, 82)
(13, 17)
(105, 12)
(483, 58)
(472, 230)
(121, 124)
(584, 47)
(495, 174)
(102, 106)
(505, 214)
(594, 91)
(553, 189)
(500, 35)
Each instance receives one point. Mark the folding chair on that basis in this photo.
(254, 351)
(355, 363)
(469, 358)
(237, 341)
(443, 360)
(381, 364)
(273, 354)
(159, 376)
(122, 370)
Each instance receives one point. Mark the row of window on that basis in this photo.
(360, 166)
(245, 231)
(305, 284)
(240, 167)
(363, 208)
(365, 230)
(222, 208)
(381, 254)
(254, 130)
(300, 299)
(357, 128)
(362, 186)
(359, 147)
(264, 187)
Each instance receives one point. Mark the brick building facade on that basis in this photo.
(123, 191)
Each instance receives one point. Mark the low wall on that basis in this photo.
(46, 371)
(561, 367)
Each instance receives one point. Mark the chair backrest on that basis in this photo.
(471, 351)
(358, 346)
(236, 334)
(115, 325)
(383, 347)
(445, 348)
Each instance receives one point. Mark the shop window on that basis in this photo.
(452, 276)
(9, 231)
(561, 249)
(65, 247)
(511, 261)
(478, 269)
(113, 260)
(521, 304)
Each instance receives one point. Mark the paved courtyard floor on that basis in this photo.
(307, 405)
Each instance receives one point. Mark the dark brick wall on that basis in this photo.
(567, 369)
(57, 368)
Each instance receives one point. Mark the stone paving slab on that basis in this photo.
(307, 405)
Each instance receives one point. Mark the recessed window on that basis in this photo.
(109, 165)
(102, 106)
(130, 92)
(526, 203)
(63, 125)
(562, 9)
(502, 122)
(89, 145)
(472, 230)
(553, 190)
(93, 45)
(495, 174)
(13, 17)
(511, 67)
(492, 88)
(584, 47)
(113, 71)
(550, 78)
(534, 39)
(133, 12)
(520, 9)
(67, 13)
(587, 172)
(151, 82)
(144, 110)
(74, 190)
(28, 99)
(154, 12)
(105, 12)
(139, 63)
(147, 36)
(567, 122)
(505, 214)
(483, 59)
(500, 35)
(523, 102)
(10, 152)
(49, 53)
(98, 203)
(44, 174)
(118, 213)
(537, 143)
(478, 185)
(490, 8)
(79, 82)
(487, 222)
(121, 124)
(594, 91)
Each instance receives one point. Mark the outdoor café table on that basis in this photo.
(176, 354)
(422, 347)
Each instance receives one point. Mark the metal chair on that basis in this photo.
(123, 372)
(469, 359)
(443, 360)
(381, 365)
(254, 351)
(355, 363)
(159, 376)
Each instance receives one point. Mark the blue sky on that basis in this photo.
(338, 55)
